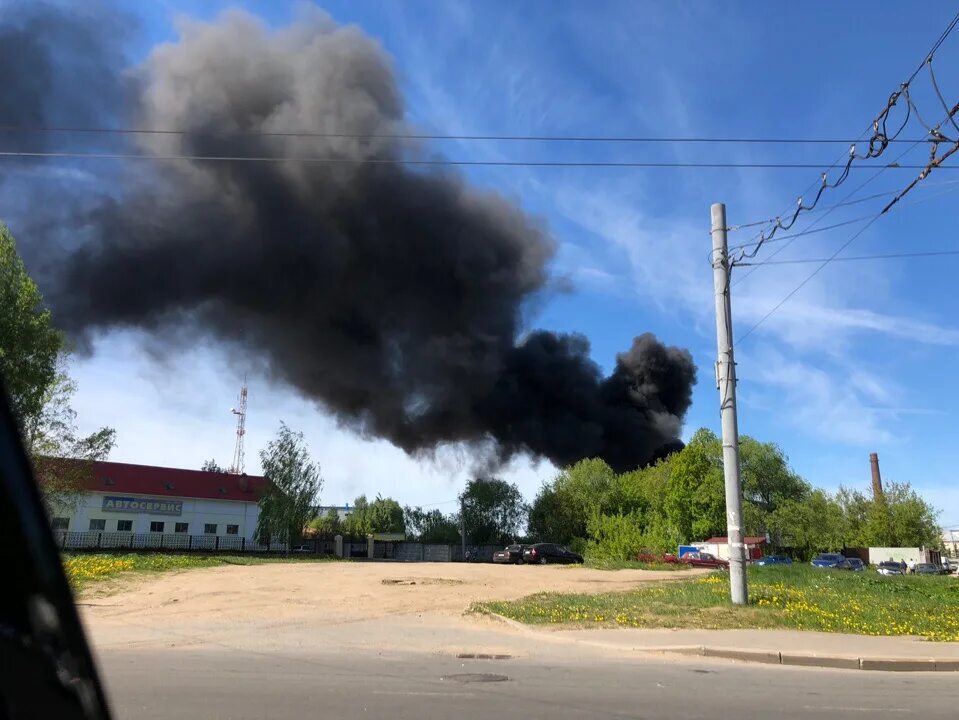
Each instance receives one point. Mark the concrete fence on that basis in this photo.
(351, 547)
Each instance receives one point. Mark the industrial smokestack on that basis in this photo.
(392, 295)
(876, 478)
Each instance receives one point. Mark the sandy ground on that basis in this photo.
(295, 606)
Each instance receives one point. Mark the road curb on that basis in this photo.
(772, 657)
(841, 662)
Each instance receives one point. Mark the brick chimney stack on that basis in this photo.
(876, 477)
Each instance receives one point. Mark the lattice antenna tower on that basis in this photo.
(240, 411)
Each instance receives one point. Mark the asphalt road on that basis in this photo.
(221, 683)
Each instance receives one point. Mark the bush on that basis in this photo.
(615, 537)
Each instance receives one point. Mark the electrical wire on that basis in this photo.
(38, 130)
(808, 227)
(877, 144)
(925, 173)
(809, 277)
(414, 161)
(857, 201)
(887, 256)
(945, 105)
(852, 221)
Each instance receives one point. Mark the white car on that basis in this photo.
(889, 568)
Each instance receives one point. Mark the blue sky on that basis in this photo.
(860, 360)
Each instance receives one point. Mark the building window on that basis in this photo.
(232, 529)
(61, 523)
(156, 526)
(209, 528)
(181, 527)
(124, 525)
(98, 524)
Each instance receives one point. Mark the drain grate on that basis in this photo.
(483, 656)
(476, 677)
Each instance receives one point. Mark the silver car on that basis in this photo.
(889, 568)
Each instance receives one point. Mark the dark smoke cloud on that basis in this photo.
(393, 297)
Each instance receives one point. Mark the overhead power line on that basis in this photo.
(420, 161)
(878, 141)
(45, 130)
(830, 208)
(935, 161)
(886, 256)
(809, 231)
(809, 277)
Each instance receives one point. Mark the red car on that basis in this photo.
(704, 559)
(648, 556)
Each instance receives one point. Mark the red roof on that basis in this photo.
(124, 478)
(749, 540)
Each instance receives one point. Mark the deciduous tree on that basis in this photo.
(493, 511)
(287, 504)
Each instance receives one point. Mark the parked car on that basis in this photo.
(648, 556)
(950, 565)
(834, 561)
(510, 555)
(549, 553)
(927, 569)
(856, 565)
(704, 559)
(888, 567)
(302, 549)
(773, 560)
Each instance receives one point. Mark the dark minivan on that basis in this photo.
(550, 553)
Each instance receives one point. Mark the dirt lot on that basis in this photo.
(344, 590)
(303, 608)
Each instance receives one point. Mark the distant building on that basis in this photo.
(719, 546)
(342, 511)
(122, 499)
(950, 540)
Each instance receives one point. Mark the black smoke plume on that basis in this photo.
(391, 294)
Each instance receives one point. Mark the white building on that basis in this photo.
(950, 540)
(342, 511)
(148, 506)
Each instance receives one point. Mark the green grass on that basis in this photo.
(85, 569)
(633, 565)
(797, 597)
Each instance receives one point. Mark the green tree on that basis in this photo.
(287, 504)
(695, 494)
(616, 537)
(493, 511)
(768, 481)
(912, 520)
(383, 515)
(63, 459)
(431, 526)
(695, 502)
(328, 524)
(211, 466)
(34, 362)
(30, 346)
(386, 516)
(563, 508)
(897, 518)
(813, 524)
(357, 523)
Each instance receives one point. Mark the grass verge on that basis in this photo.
(84, 569)
(633, 565)
(797, 597)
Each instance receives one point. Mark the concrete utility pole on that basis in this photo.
(726, 382)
